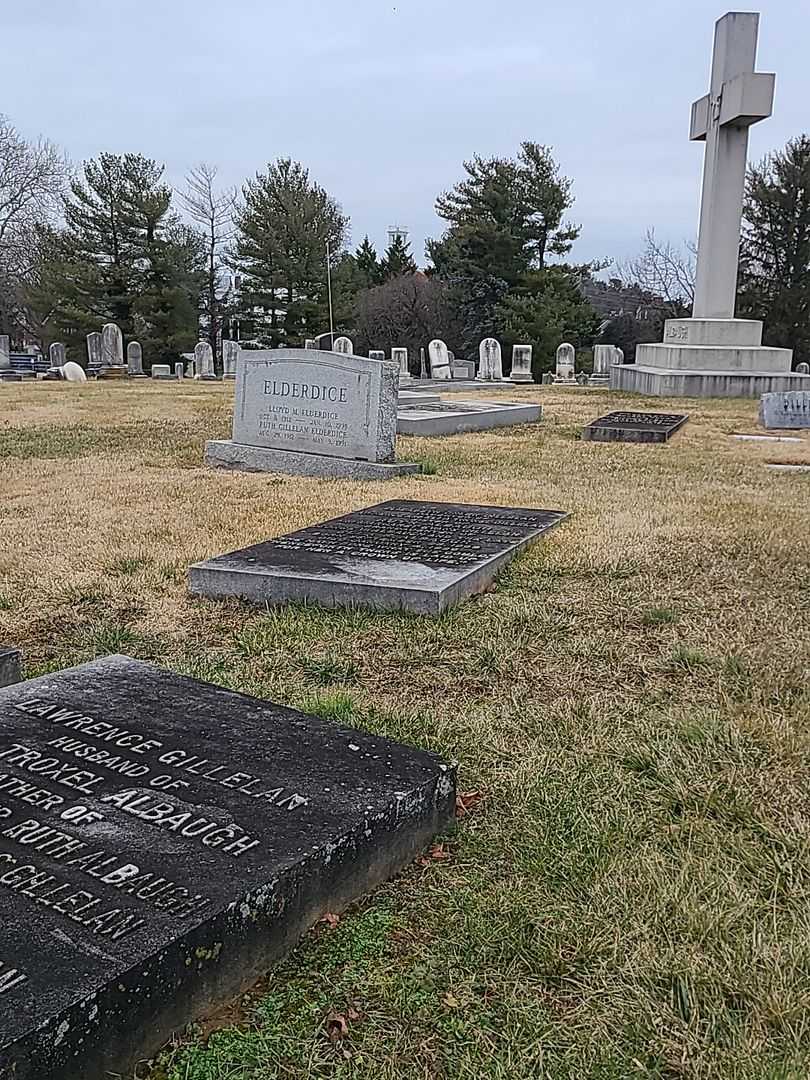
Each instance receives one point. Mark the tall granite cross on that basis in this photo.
(738, 97)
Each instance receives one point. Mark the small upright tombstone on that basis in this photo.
(112, 352)
(56, 354)
(313, 414)
(376, 354)
(204, 361)
(490, 363)
(344, 345)
(521, 364)
(439, 360)
(547, 378)
(179, 370)
(5, 352)
(94, 355)
(135, 360)
(582, 379)
(604, 357)
(9, 666)
(161, 371)
(400, 358)
(566, 358)
(309, 343)
(230, 354)
(423, 371)
(803, 369)
(787, 409)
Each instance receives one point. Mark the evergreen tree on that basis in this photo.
(397, 259)
(283, 229)
(504, 220)
(368, 264)
(122, 257)
(774, 281)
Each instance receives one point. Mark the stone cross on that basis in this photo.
(738, 97)
(56, 355)
(94, 350)
(439, 360)
(134, 358)
(343, 345)
(204, 361)
(230, 354)
(490, 364)
(112, 345)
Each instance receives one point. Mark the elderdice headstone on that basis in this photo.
(313, 414)
(490, 363)
(164, 841)
(566, 358)
(204, 361)
(344, 345)
(439, 360)
(402, 554)
(230, 354)
(521, 364)
(135, 359)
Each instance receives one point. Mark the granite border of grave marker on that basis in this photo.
(10, 671)
(159, 890)
(457, 417)
(397, 555)
(636, 427)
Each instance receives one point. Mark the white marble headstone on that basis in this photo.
(439, 360)
(400, 358)
(604, 356)
(203, 360)
(490, 362)
(230, 354)
(566, 359)
(73, 372)
(135, 358)
(5, 352)
(521, 364)
(344, 345)
(112, 345)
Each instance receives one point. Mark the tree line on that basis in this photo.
(113, 242)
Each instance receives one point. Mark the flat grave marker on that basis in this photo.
(401, 554)
(453, 418)
(640, 427)
(164, 841)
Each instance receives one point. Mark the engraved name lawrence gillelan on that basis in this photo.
(309, 391)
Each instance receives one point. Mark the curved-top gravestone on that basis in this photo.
(343, 345)
(439, 360)
(163, 841)
(564, 368)
(490, 362)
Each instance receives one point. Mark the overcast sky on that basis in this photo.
(383, 101)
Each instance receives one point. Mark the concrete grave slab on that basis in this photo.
(641, 427)
(418, 556)
(453, 418)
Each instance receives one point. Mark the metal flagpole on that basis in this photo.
(329, 287)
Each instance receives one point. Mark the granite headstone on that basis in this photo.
(789, 409)
(639, 427)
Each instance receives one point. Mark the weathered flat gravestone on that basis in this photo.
(417, 556)
(164, 841)
(9, 673)
(642, 427)
(313, 414)
(453, 418)
(788, 409)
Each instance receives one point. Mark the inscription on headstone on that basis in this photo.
(789, 409)
(421, 556)
(162, 843)
(640, 427)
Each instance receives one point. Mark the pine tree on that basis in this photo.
(397, 259)
(774, 282)
(283, 230)
(368, 264)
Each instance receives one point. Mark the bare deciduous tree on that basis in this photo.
(33, 176)
(212, 210)
(663, 271)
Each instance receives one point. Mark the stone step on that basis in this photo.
(716, 358)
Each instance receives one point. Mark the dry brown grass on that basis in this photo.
(631, 898)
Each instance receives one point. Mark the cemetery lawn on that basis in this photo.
(627, 893)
